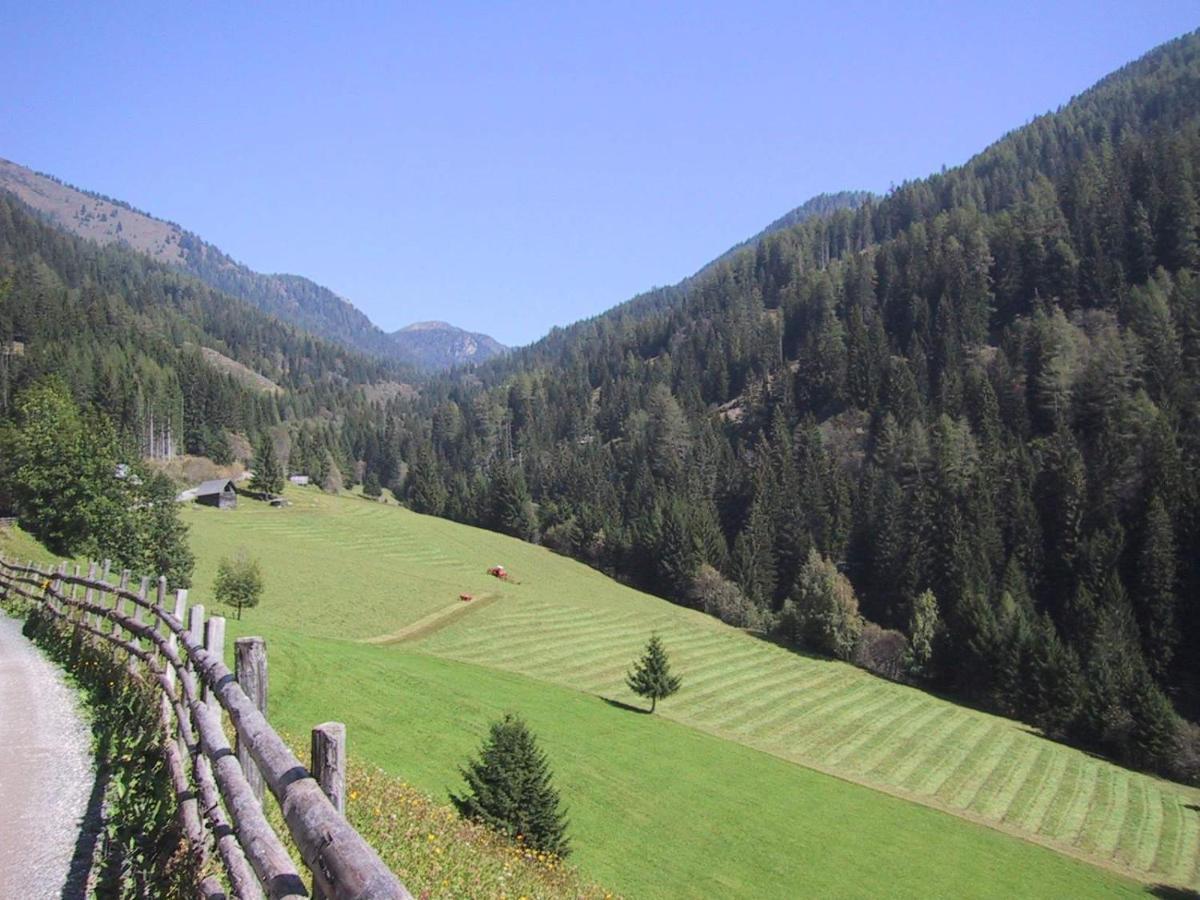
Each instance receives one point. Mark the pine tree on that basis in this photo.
(922, 629)
(268, 473)
(651, 675)
(509, 789)
(1155, 599)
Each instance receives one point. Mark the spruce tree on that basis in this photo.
(1155, 598)
(651, 675)
(268, 473)
(922, 629)
(509, 789)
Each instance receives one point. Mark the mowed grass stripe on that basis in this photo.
(989, 774)
(994, 799)
(917, 767)
(769, 694)
(1166, 858)
(1101, 811)
(852, 751)
(782, 719)
(944, 780)
(886, 756)
(1043, 798)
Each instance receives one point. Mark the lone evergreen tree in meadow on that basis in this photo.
(268, 473)
(651, 676)
(509, 789)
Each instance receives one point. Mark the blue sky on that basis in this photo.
(512, 166)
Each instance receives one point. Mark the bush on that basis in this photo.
(822, 612)
(371, 486)
(882, 651)
(720, 597)
(1184, 764)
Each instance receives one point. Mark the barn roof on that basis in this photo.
(216, 486)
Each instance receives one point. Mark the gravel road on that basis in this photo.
(46, 776)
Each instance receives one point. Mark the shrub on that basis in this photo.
(882, 651)
(1184, 764)
(822, 612)
(720, 597)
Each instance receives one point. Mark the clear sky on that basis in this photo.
(512, 166)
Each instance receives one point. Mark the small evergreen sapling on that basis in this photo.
(509, 789)
(651, 676)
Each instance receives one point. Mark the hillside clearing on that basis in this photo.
(570, 626)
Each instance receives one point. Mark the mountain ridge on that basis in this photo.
(293, 298)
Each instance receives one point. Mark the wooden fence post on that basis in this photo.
(195, 629)
(250, 670)
(143, 592)
(214, 643)
(89, 596)
(56, 585)
(73, 611)
(172, 638)
(119, 602)
(329, 769)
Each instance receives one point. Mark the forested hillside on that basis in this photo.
(977, 397)
(291, 298)
(129, 335)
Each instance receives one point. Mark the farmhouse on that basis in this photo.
(298, 479)
(219, 493)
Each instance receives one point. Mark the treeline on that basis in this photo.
(982, 389)
(82, 493)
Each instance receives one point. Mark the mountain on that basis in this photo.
(977, 398)
(176, 365)
(292, 298)
(436, 345)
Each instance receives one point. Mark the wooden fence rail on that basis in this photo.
(220, 791)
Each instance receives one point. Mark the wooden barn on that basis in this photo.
(218, 492)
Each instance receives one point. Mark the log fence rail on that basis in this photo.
(219, 789)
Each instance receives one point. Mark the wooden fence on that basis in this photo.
(220, 789)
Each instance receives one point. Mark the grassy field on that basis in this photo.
(343, 572)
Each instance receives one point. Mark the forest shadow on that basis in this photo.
(1171, 892)
(628, 707)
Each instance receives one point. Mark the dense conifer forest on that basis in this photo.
(951, 433)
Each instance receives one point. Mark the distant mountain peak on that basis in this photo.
(429, 326)
(440, 345)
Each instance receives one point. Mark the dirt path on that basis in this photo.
(435, 621)
(46, 778)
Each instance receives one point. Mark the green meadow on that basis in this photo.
(770, 774)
